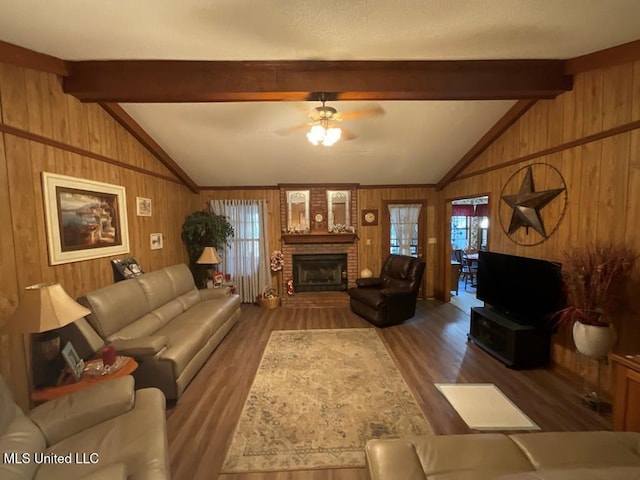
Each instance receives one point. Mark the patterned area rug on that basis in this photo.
(317, 397)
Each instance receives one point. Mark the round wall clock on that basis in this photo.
(319, 217)
(369, 217)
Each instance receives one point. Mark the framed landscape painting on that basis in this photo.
(85, 219)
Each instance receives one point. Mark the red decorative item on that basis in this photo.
(108, 355)
(290, 290)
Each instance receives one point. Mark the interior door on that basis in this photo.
(404, 230)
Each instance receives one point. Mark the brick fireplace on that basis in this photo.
(325, 285)
(334, 298)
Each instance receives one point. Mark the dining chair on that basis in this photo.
(469, 270)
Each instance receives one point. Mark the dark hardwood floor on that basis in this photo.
(430, 348)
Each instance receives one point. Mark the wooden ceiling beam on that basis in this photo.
(152, 81)
(23, 57)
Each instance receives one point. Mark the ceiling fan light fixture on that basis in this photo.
(323, 135)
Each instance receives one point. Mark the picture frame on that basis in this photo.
(74, 362)
(143, 207)
(85, 219)
(157, 241)
(218, 279)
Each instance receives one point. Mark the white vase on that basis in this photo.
(592, 341)
(366, 273)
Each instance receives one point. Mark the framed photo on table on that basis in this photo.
(74, 362)
(218, 279)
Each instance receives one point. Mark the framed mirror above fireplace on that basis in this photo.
(298, 211)
(339, 208)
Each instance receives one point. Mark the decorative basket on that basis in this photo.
(267, 299)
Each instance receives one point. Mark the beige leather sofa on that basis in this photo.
(164, 322)
(105, 432)
(526, 456)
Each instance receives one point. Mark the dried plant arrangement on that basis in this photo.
(594, 277)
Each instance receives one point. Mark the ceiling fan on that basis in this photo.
(323, 123)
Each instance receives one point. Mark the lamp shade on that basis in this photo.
(44, 307)
(209, 256)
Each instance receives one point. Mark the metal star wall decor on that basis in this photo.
(527, 205)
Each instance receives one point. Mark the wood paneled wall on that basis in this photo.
(42, 129)
(602, 177)
(369, 256)
(370, 253)
(271, 195)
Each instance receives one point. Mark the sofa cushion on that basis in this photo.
(185, 340)
(384, 456)
(603, 473)
(137, 439)
(84, 408)
(157, 287)
(579, 449)
(190, 298)
(115, 306)
(181, 279)
(18, 435)
(143, 327)
(368, 296)
(169, 311)
(472, 456)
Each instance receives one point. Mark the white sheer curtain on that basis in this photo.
(404, 219)
(247, 258)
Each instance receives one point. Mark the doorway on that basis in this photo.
(469, 234)
(403, 227)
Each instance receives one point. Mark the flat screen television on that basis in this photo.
(528, 290)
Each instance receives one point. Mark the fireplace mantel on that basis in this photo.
(319, 237)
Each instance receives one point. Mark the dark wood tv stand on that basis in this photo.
(514, 344)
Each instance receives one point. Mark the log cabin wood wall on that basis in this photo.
(602, 177)
(42, 129)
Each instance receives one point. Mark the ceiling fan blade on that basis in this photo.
(373, 111)
(347, 135)
(290, 130)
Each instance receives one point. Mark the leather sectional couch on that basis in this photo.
(525, 456)
(105, 432)
(163, 321)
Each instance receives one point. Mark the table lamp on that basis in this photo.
(209, 256)
(42, 309)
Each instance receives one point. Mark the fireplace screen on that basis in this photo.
(320, 272)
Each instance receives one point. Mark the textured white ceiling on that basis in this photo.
(230, 144)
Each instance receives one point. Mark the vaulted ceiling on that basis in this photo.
(217, 83)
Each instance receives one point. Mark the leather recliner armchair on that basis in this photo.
(104, 432)
(389, 299)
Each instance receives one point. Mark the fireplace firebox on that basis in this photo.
(320, 272)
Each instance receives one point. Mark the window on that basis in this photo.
(460, 232)
(246, 258)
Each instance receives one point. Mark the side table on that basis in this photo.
(49, 393)
(626, 397)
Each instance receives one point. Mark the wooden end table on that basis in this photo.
(49, 393)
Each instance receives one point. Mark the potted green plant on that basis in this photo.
(594, 276)
(204, 229)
